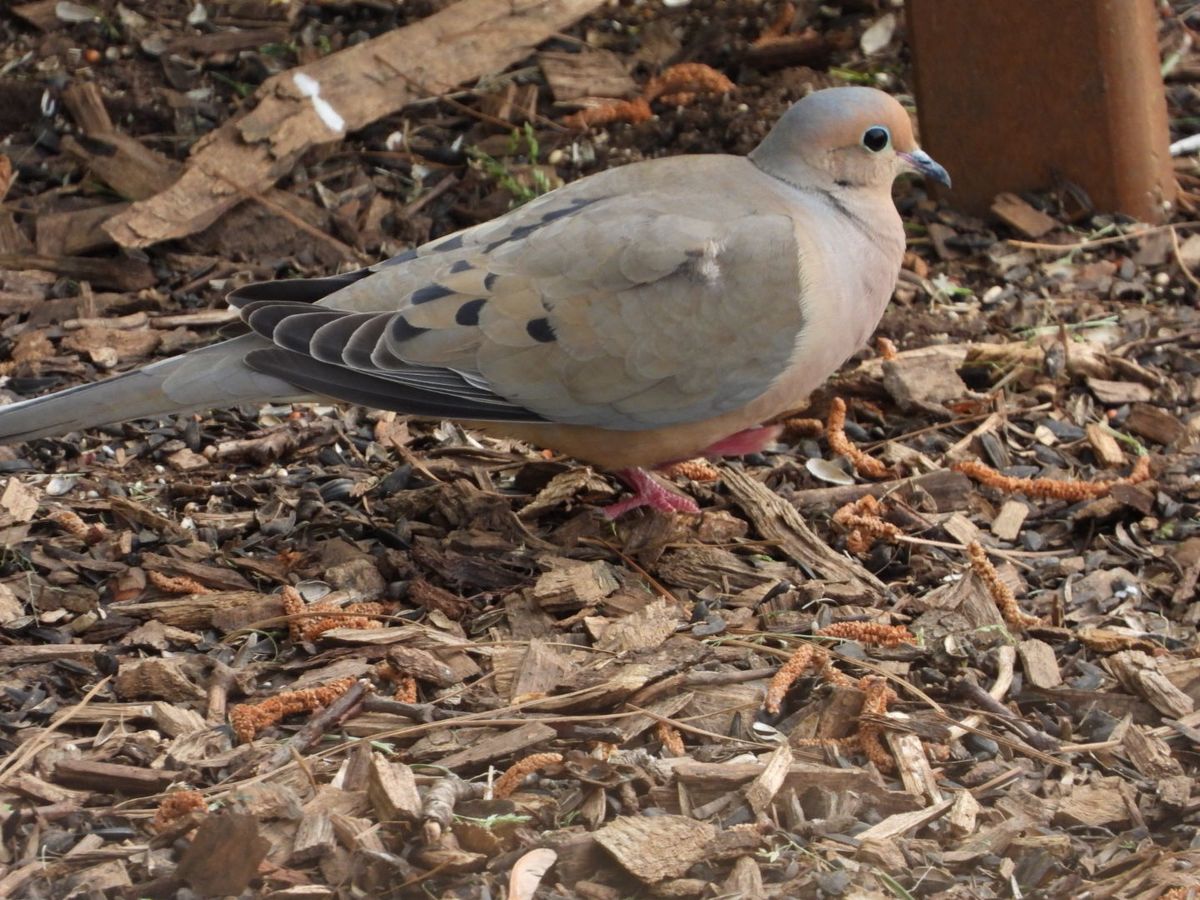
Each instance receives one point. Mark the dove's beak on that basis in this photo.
(923, 164)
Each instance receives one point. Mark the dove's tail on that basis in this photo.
(209, 378)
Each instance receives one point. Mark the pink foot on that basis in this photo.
(648, 492)
(752, 440)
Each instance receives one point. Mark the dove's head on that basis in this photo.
(851, 137)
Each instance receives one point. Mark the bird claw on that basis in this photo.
(648, 492)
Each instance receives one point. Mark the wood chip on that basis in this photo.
(107, 778)
(962, 529)
(646, 628)
(963, 814)
(1139, 672)
(506, 744)
(392, 789)
(1149, 754)
(1116, 393)
(656, 848)
(1032, 223)
(1155, 424)
(911, 762)
(901, 823)
(1104, 445)
(778, 521)
(1039, 663)
(762, 790)
(591, 73)
(1096, 805)
(1007, 524)
(224, 855)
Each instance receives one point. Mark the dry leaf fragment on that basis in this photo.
(672, 740)
(528, 871)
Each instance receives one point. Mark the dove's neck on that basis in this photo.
(851, 243)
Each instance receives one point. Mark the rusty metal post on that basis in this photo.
(1012, 93)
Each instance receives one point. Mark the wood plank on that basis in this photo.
(1013, 119)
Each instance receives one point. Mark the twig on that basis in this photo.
(1187, 273)
(977, 695)
(283, 212)
(1101, 242)
(1006, 657)
(36, 745)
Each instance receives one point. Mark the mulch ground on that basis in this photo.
(939, 641)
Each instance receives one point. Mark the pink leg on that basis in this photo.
(752, 440)
(648, 492)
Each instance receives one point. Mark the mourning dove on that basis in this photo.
(650, 313)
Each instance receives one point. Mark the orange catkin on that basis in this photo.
(1051, 488)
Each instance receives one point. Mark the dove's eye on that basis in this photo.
(876, 138)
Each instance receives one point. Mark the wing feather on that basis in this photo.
(584, 307)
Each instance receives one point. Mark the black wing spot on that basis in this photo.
(517, 234)
(451, 243)
(403, 330)
(461, 265)
(573, 207)
(429, 293)
(399, 259)
(468, 313)
(489, 280)
(540, 330)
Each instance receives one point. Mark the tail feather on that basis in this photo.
(209, 378)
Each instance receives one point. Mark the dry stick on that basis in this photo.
(433, 193)
(220, 680)
(1187, 273)
(1035, 736)
(662, 591)
(942, 426)
(448, 98)
(682, 725)
(319, 724)
(685, 680)
(249, 193)
(1101, 242)
(418, 712)
(1005, 658)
